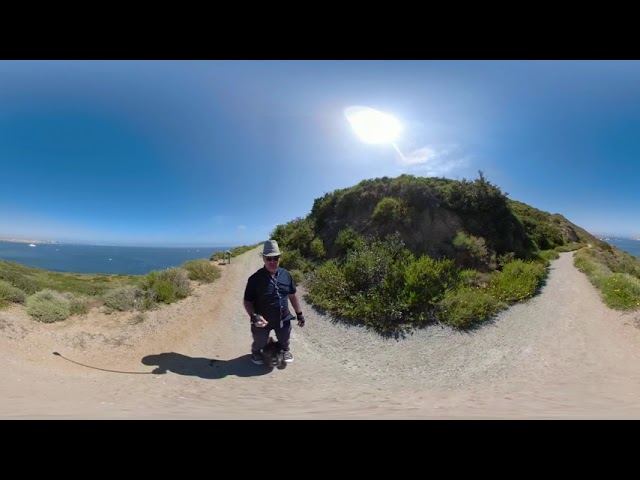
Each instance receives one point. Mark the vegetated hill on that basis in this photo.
(428, 214)
(546, 230)
(405, 251)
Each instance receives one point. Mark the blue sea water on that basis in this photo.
(99, 258)
(629, 245)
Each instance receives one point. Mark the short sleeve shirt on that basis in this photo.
(270, 295)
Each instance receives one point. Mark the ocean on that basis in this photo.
(101, 259)
(141, 260)
(629, 245)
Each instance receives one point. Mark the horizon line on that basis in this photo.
(103, 244)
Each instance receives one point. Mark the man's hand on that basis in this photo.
(259, 321)
(300, 318)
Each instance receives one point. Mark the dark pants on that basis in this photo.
(261, 335)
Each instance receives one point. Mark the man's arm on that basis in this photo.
(294, 302)
(296, 306)
(249, 296)
(248, 306)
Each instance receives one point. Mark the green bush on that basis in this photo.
(292, 260)
(79, 304)
(614, 273)
(124, 299)
(473, 278)
(378, 310)
(10, 294)
(426, 281)
(327, 288)
(20, 281)
(317, 249)
(542, 230)
(218, 256)
(368, 287)
(167, 286)
(295, 235)
(548, 255)
(612, 259)
(463, 307)
(234, 252)
(585, 264)
(348, 240)
(595, 270)
(371, 266)
(505, 258)
(202, 270)
(475, 247)
(165, 291)
(365, 269)
(570, 247)
(298, 276)
(48, 306)
(621, 291)
(517, 281)
(391, 210)
(478, 196)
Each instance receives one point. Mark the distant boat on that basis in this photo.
(32, 245)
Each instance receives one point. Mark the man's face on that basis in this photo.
(271, 263)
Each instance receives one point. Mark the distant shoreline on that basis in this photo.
(20, 240)
(54, 242)
(98, 259)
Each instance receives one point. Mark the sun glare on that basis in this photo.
(373, 126)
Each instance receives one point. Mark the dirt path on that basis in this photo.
(561, 355)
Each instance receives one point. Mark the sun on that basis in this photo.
(373, 126)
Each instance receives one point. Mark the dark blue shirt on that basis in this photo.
(270, 295)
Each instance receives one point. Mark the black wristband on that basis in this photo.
(254, 317)
(298, 314)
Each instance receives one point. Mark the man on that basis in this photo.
(266, 300)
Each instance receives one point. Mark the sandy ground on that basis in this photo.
(562, 354)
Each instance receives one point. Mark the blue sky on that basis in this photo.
(216, 153)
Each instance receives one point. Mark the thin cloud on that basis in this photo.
(241, 227)
(417, 157)
(432, 161)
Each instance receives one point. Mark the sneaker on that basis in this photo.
(257, 358)
(288, 358)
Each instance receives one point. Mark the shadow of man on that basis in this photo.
(204, 367)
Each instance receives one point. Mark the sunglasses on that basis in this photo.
(272, 259)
